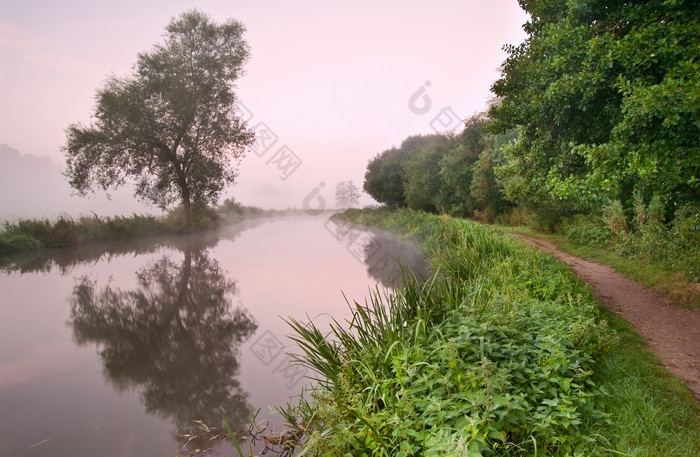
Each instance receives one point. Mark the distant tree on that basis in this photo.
(384, 178)
(171, 126)
(347, 194)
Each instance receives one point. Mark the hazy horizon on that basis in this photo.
(335, 84)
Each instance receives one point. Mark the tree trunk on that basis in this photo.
(186, 209)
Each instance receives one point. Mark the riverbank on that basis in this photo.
(31, 235)
(502, 352)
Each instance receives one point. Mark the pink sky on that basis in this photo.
(330, 80)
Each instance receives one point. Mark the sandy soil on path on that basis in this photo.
(672, 332)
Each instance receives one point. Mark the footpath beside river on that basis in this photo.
(672, 332)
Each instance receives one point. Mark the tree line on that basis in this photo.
(436, 173)
(600, 104)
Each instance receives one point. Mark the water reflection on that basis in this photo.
(384, 254)
(387, 256)
(174, 336)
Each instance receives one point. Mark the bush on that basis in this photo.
(35, 228)
(202, 218)
(648, 239)
(11, 243)
(61, 233)
(589, 234)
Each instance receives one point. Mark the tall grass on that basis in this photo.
(28, 234)
(66, 231)
(496, 354)
(674, 245)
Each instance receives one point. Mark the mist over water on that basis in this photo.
(116, 349)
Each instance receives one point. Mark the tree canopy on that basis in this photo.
(447, 174)
(170, 126)
(607, 97)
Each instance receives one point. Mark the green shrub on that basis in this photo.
(201, 218)
(37, 228)
(61, 233)
(589, 234)
(649, 239)
(11, 243)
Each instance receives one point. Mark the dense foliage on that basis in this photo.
(436, 173)
(607, 98)
(494, 355)
(172, 126)
(593, 133)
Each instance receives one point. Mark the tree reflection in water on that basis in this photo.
(175, 337)
(387, 258)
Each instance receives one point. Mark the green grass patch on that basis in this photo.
(502, 352)
(673, 283)
(68, 232)
(651, 412)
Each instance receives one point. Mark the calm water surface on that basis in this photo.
(115, 350)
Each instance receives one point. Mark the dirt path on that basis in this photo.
(672, 333)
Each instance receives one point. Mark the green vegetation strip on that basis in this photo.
(27, 235)
(501, 352)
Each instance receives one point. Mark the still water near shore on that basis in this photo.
(115, 350)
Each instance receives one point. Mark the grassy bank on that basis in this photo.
(502, 352)
(34, 234)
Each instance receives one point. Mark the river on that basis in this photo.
(115, 350)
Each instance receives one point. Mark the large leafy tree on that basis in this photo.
(607, 96)
(171, 126)
(384, 178)
(457, 166)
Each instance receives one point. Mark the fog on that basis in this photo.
(33, 187)
(333, 84)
